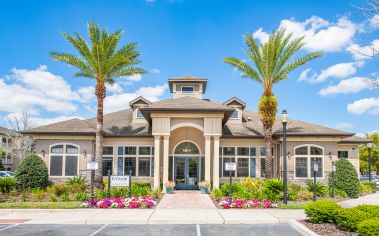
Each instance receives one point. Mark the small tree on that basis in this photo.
(32, 173)
(346, 178)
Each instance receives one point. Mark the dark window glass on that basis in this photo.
(152, 167)
(71, 167)
(57, 149)
(130, 150)
(319, 163)
(253, 152)
(120, 165)
(343, 154)
(301, 151)
(108, 150)
(263, 167)
(242, 151)
(316, 151)
(71, 149)
(242, 167)
(229, 151)
(301, 167)
(56, 165)
(130, 165)
(107, 165)
(139, 114)
(144, 150)
(226, 160)
(188, 89)
(235, 114)
(144, 166)
(253, 167)
(120, 150)
(262, 151)
(187, 148)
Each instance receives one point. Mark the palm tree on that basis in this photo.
(271, 65)
(102, 61)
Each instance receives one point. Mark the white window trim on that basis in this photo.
(64, 154)
(137, 117)
(137, 155)
(238, 115)
(348, 154)
(236, 156)
(309, 158)
(187, 86)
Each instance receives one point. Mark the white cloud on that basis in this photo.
(320, 34)
(343, 125)
(87, 93)
(363, 134)
(121, 101)
(114, 88)
(155, 71)
(340, 71)
(364, 52)
(374, 21)
(261, 35)
(346, 86)
(135, 77)
(366, 105)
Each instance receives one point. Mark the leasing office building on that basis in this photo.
(187, 139)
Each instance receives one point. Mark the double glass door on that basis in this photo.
(186, 172)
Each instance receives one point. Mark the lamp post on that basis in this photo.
(369, 146)
(284, 122)
(333, 171)
(315, 169)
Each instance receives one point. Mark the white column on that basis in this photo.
(207, 166)
(165, 160)
(216, 160)
(157, 145)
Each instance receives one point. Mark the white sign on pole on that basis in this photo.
(119, 181)
(230, 166)
(92, 165)
(315, 167)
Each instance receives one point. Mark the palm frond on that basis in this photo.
(246, 70)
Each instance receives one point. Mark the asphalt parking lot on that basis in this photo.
(148, 230)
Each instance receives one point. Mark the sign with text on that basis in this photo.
(92, 165)
(119, 181)
(230, 166)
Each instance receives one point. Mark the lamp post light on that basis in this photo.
(284, 122)
(369, 146)
(333, 171)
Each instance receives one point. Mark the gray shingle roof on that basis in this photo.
(64, 127)
(355, 139)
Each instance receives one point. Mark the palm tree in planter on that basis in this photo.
(104, 62)
(271, 64)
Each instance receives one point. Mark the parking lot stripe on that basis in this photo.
(97, 231)
(198, 230)
(11, 226)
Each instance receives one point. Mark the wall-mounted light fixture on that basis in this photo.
(85, 153)
(289, 155)
(43, 153)
(330, 155)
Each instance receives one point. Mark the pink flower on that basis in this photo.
(267, 204)
(226, 205)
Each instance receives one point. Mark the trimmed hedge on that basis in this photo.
(322, 211)
(32, 173)
(368, 227)
(371, 209)
(349, 218)
(346, 178)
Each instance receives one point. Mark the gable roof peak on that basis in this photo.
(236, 100)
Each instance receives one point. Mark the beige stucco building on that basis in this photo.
(188, 139)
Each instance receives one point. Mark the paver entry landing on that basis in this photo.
(186, 199)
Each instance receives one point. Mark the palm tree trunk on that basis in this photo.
(100, 94)
(268, 144)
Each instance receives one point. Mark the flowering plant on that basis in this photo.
(134, 202)
(238, 203)
(204, 184)
(170, 184)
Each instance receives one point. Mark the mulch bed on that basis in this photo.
(326, 229)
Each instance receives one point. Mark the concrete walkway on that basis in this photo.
(372, 199)
(186, 199)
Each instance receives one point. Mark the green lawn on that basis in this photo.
(299, 205)
(41, 205)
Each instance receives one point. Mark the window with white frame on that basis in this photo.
(343, 154)
(139, 114)
(64, 160)
(188, 89)
(244, 157)
(306, 156)
(107, 160)
(235, 115)
(139, 160)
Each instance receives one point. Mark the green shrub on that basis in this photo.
(32, 173)
(295, 187)
(321, 189)
(58, 189)
(24, 197)
(292, 195)
(100, 194)
(7, 184)
(217, 193)
(371, 209)
(272, 189)
(368, 227)
(322, 211)
(304, 195)
(38, 194)
(156, 193)
(65, 197)
(141, 190)
(346, 178)
(118, 192)
(367, 188)
(339, 193)
(252, 184)
(81, 196)
(78, 183)
(349, 218)
(236, 188)
(53, 198)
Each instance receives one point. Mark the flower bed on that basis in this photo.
(134, 202)
(238, 203)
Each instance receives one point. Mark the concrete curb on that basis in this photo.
(302, 228)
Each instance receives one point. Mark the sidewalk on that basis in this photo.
(372, 199)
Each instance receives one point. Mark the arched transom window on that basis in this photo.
(305, 158)
(64, 160)
(187, 148)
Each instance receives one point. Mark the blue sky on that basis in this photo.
(186, 37)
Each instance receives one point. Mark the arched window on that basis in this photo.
(64, 160)
(187, 148)
(305, 158)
